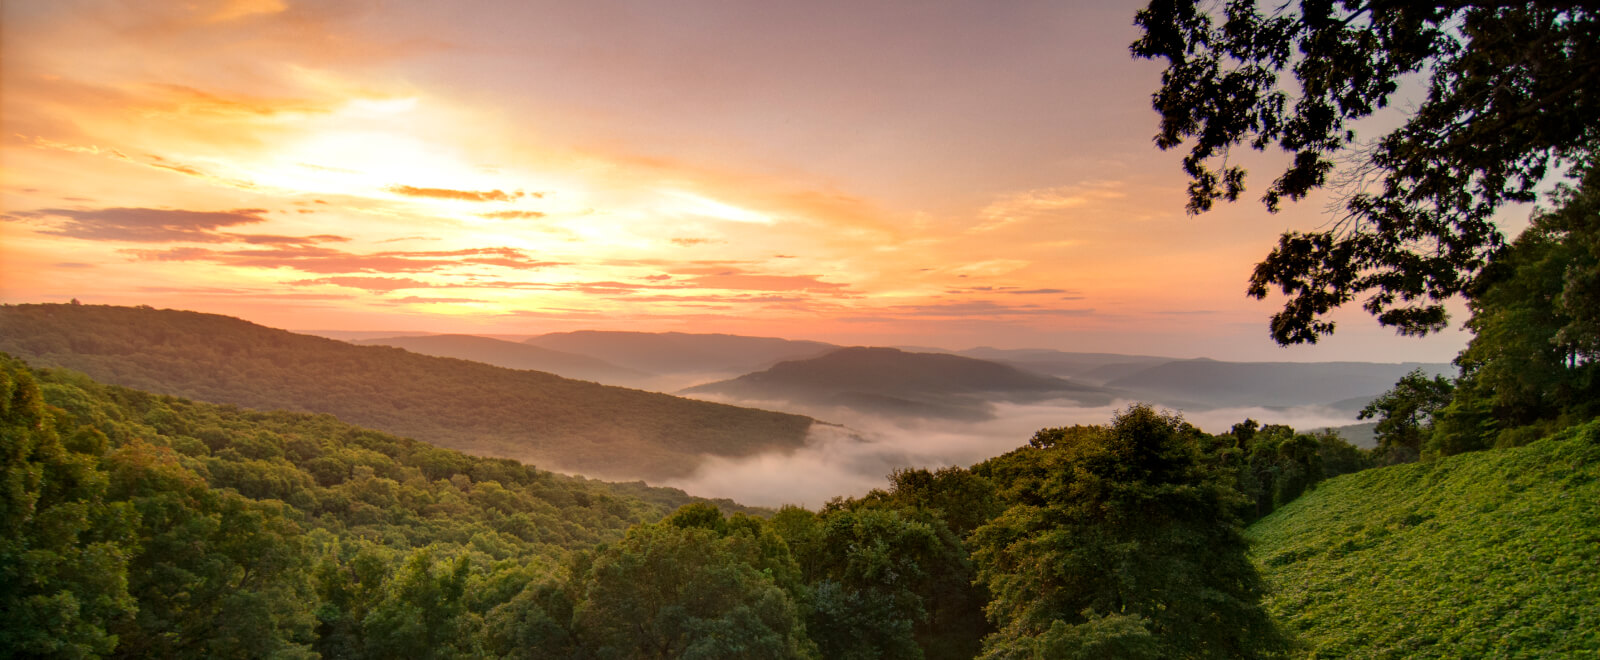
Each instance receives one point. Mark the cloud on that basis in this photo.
(690, 242)
(415, 300)
(234, 292)
(323, 260)
(148, 160)
(141, 225)
(733, 299)
(512, 215)
(1019, 206)
(982, 309)
(145, 225)
(1012, 290)
(261, 239)
(373, 284)
(464, 195)
(745, 281)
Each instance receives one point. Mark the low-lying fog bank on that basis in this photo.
(856, 457)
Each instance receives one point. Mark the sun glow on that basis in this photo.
(689, 204)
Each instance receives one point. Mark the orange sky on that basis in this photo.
(917, 173)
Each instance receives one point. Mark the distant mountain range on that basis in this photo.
(735, 364)
(1096, 368)
(681, 353)
(893, 382)
(513, 355)
(1204, 383)
(527, 415)
(515, 399)
(1209, 383)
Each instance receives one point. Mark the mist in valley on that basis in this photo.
(854, 452)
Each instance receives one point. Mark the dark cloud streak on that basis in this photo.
(140, 225)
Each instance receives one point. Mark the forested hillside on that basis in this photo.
(147, 525)
(1487, 554)
(530, 416)
(141, 525)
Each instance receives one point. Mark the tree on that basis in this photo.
(216, 575)
(1513, 95)
(666, 591)
(1533, 364)
(1405, 414)
(63, 557)
(1118, 540)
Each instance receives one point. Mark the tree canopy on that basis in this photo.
(1512, 96)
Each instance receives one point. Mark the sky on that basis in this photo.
(948, 174)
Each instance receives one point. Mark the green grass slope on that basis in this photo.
(1488, 554)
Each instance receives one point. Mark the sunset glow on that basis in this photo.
(950, 174)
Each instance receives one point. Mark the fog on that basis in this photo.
(858, 453)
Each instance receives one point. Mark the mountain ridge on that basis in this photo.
(896, 382)
(557, 423)
(512, 355)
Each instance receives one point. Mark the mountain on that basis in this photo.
(483, 409)
(512, 355)
(1487, 554)
(893, 382)
(1210, 383)
(1094, 368)
(681, 353)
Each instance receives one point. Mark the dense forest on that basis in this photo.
(536, 417)
(150, 524)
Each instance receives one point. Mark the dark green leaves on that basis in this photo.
(1512, 96)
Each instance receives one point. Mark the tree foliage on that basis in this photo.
(1405, 414)
(143, 525)
(1533, 364)
(1123, 522)
(666, 591)
(1513, 94)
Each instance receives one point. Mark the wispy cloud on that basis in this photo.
(1024, 205)
(746, 281)
(983, 309)
(323, 260)
(374, 284)
(463, 195)
(512, 215)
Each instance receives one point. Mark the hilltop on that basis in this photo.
(483, 409)
(890, 381)
(1490, 553)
